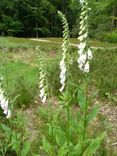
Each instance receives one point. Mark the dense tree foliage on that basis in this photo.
(37, 18)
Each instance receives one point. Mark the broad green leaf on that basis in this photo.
(60, 137)
(5, 128)
(63, 150)
(26, 148)
(50, 130)
(76, 150)
(36, 154)
(47, 146)
(92, 114)
(82, 98)
(94, 145)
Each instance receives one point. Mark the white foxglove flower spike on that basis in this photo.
(4, 104)
(85, 53)
(42, 79)
(65, 46)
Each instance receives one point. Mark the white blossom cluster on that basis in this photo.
(42, 80)
(4, 103)
(85, 53)
(65, 46)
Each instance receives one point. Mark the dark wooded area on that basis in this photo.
(39, 18)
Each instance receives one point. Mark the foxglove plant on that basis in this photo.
(84, 51)
(60, 139)
(65, 46)
(4, 103)
(42, 78)
(85, 55)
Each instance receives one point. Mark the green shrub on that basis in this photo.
(103, 70)
(111, 37)
(13, 136)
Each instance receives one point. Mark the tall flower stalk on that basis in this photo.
(45, 95)
(65, 47)
(42, 78)
(64, 74)
(84, 51)
(85, 55)
(4, 103)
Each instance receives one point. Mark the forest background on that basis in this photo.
(39, 18)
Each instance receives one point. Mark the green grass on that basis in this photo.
(21, 72)
(21, 79)
(14, 42)
(92, 42)
(103, 66)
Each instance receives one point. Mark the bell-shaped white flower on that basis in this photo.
(44, 99)
(82, 59)
(62, 63)
(81, 37)
(40, 85)
(82, 45)
(63, 71)
(80, 51)
(42, 93)
(62, 81)
(85, 35)
(9, 114)
(83, 13)
(62, 87)
(81, 66)
(63, 74)
(86, 67)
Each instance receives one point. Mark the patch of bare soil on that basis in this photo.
(107, 121)
(109, 112)
(32, 121)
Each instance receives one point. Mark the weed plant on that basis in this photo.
(13, 136)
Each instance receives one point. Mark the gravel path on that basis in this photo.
(72, 44)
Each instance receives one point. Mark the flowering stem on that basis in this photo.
(64, 66)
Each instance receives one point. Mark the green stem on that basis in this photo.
(85, 113)
(68, 103)
(50, 103)
(86, 107)
(2, 150)
(68, 118)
